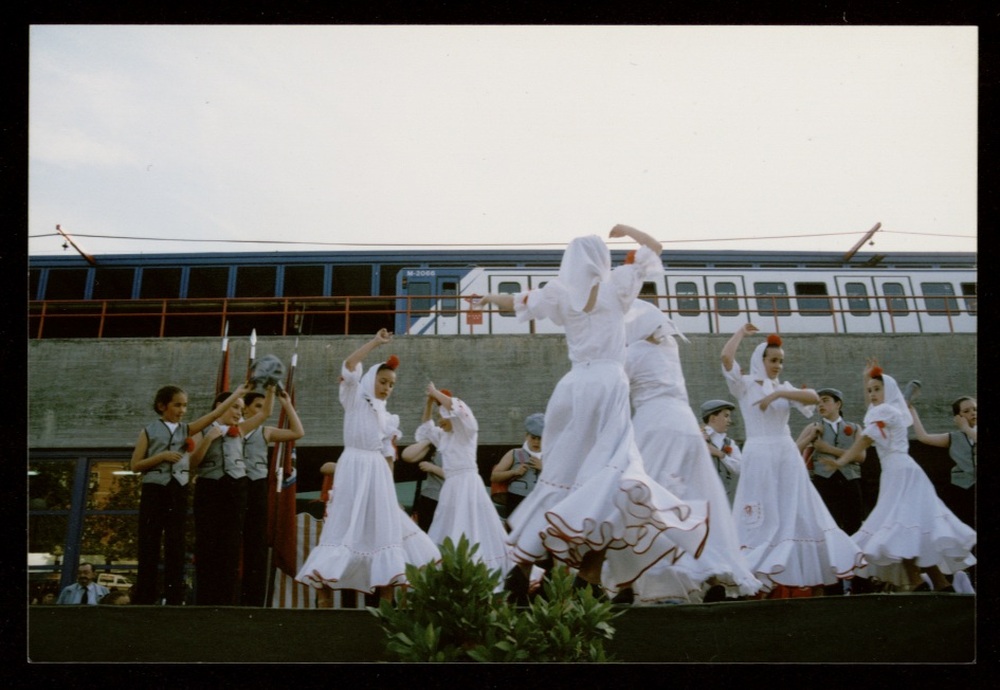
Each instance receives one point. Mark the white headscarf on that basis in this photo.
(644, 319)
(388, 423)
(585, 263)
(757, 370)
(894, 400)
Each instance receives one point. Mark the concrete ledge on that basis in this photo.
(916, 628)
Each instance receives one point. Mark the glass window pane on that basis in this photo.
(935, 295)
(647, 292)
(66, 283)
(50, 484)
(303, 281)
(857, 299)
(812, 306)
(256, 281)
(113, 283)
(688, 303)
(208, 281)
(895, 299)
(772, 299)
(969, 291)
(160, 283)
(419, 292)
(449, 289)
(726, 302)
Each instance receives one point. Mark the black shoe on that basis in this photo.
(922, 587)
(714, 593)
(624, 597)
(596, 589)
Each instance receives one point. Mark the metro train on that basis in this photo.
(428, 292)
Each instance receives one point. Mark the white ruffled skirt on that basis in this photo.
(909, 521)
(367, 539)
(593, 493)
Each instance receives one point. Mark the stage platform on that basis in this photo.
(923, 628)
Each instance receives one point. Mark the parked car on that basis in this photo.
(114, 581)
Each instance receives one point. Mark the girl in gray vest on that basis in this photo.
(161, 456)
(220, 500)
(960, 494)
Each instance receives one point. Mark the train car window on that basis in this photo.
(772, 299)
(969, 292)
(419, 292)
(356, 281)
(508, 288)
(66, 283)
(303, 281)
(255, 281)
(33, 284)
(113, 283)
(897, 303)
(208, 281)
(812, 306)
(160, 283)
(687, 298)
(857, 299)
(939, 298)
(449, 289)
(726, 302)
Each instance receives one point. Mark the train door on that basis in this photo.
(706, 304)
(944, 303)
(897, 308)
(427, 302)
(503, 322)
(857, 305)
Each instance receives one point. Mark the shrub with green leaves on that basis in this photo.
(452, 611)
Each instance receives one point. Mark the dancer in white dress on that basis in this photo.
(367, 538)
(593, 500)
(464, 505)
(910, 529)
(674, 453)
(786, 532)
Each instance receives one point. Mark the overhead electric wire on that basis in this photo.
(475, 244)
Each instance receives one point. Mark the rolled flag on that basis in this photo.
(911, 390)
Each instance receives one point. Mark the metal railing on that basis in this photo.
(346, 315)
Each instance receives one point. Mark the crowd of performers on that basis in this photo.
(644, 501)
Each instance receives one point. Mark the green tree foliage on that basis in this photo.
(452, 611)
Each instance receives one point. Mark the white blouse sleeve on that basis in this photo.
(806, 410)
(542, 303)
(430, 432)
(349, 382)
(628, 278)
(734, 380)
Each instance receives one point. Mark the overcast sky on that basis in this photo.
(359, 136)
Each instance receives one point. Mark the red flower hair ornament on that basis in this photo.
(233, 431)
(392, 362)
(189, 444)
(445, 391)
(875, 372)
(630, 257)
(774, 340)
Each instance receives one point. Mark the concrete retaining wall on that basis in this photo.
(98, 393)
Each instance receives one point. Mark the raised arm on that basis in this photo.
(442, 399)
(415, 452)
(248, 425)
(637, 235)
(856, 453)
(355, 358)
(202, 422)
(294, 431)
(939, 440)
(503, 301)
(729, 349)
